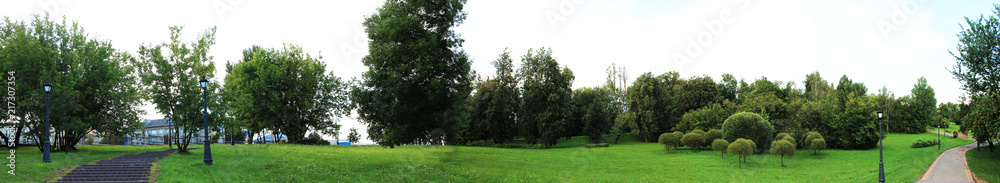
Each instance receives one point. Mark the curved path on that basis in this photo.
(125, 168)
(951, 166)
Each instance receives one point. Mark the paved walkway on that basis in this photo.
(125, 168)
(950, 166)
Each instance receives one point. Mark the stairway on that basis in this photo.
(125, 168)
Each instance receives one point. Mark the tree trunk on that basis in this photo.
(782, 160)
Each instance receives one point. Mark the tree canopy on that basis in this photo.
(418, 76)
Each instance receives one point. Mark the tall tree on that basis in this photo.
(417, 73)
(170, 73)
(617, 89)
(495, 104)
(645, 106)
(977, 67)
(93, 83)
(924, 105)
(594, 109)
(546, 103)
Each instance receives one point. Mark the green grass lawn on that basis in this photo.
(566, 162)
(985, 164)
(951, 127)
(29, 166)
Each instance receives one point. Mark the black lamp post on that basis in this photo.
(45, 156)
(939, 130)
(881, 170)
(208, 148)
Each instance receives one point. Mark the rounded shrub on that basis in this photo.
(789, 139)
(720, 145)
(713, 134)
(817, 145)
(741, 148)
(693, 140)
(782, 148)
(669, 140)
(750, 126)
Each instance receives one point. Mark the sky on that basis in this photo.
(881, 43)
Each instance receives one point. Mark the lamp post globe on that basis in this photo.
(208, 148)
(46, 157)
(881, 165)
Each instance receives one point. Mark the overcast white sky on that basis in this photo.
(887, 43)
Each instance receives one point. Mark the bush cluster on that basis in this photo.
(924, 143)
(693, 140)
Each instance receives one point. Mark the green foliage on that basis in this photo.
(418, 77)
(817, 144)
(924, 143)
(93, 84)
(728, 87)
(713, 134)
(810, 137)
(171, 71)
(708, 117)
(314, 139)
(353, 136)
(594, 111)
(750, 126)
(698, 132)
(546, 103)
(742, 148)
(856, 127)
(976, 62)
(924, 104)
(669, 140)
(720, 145)
(646, 107)
(693, 140)
(284, 90)
(781, 136)
(783, 148)
(982, 120)
(694, 93)
(495, 104)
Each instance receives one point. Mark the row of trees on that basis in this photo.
(93, 84)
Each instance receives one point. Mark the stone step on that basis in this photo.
(125, 168)
(105, 179)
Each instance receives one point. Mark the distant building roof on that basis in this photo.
(157, 123)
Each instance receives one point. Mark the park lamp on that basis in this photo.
(880, 114)
(204, 83)
(48, 87)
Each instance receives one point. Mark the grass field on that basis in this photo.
(985, 164)
(29, 166)
(566, 162)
